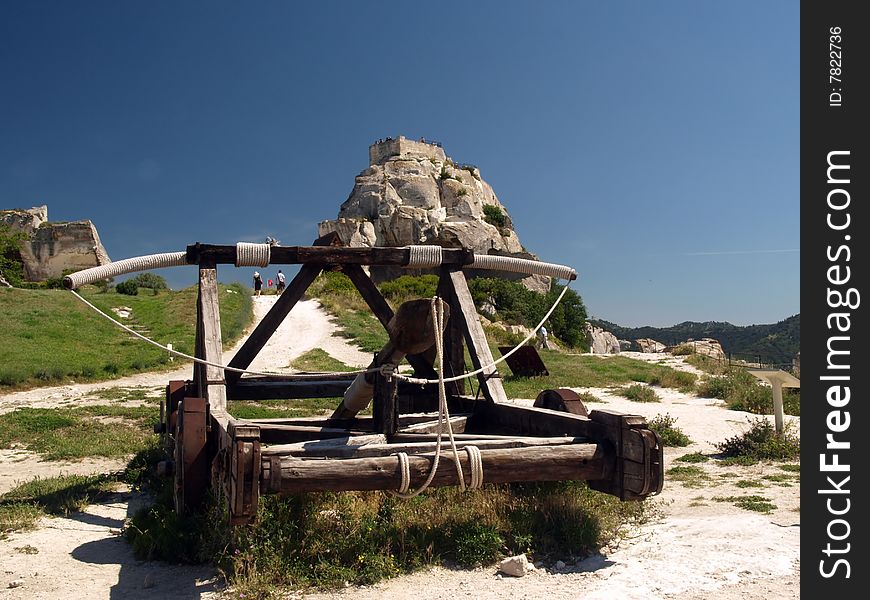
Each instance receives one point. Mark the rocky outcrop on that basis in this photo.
(706, 347)
(412, 193)
(649, 345)
(601, 341)
(52, 248)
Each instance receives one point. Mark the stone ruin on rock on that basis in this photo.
(52, 248)
(413, 193)
(601, 341)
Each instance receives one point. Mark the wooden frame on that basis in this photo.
(617, 454)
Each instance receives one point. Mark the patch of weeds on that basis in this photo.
(639, 393)
(587, 397)
(672, 378)
(738, 461)
(683, 350)
(23, 506)
(694, 457)
(791, 468)
(690, 475)
(762, 442)
(124, 394)
(754, 503)
(318, 360)
(778, 478)
(665, 426)
(26, 549)
(748, 483)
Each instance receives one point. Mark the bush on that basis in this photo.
(408, 287)
(762, 442)
(664, 425)
(683, 350)
(129, 288)
(493, 215)
(150, 280)
(639, 393)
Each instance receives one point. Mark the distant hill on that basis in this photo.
(775, 343)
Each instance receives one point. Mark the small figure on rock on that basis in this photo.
(258, 283)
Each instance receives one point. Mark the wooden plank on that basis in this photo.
(290, 475)
(384, 409)
(454, 351)
(478, 347)
(267, 326)
(278, 390)
(457, 424)
(288, 434)
(346, 448)
(212, 386)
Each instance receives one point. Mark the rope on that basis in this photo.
(122, 267)
(424, 256)
(443, 417)
(207, 362)
(476, 462)
(253, 255)
(521, 265)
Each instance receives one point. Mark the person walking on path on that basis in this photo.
(258, 283)
(542, 338)
(280, 278)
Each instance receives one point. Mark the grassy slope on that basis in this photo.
(48, 335)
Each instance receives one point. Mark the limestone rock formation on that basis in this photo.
(601, 341)
(706, 347)
(649, 345)
(412, 193)
(52, 248)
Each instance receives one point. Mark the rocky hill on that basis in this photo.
(413, 193)
(776, 343)
(48, 249)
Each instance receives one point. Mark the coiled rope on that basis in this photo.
(437, 311)
(424, 256)
(122, 267)
(253, 255)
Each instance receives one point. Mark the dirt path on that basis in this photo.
(697, 548)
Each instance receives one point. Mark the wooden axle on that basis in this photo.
(322, 255)
(289, 475)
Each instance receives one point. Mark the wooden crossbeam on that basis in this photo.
(209, 379)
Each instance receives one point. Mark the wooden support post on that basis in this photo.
(267, 326)
(384, 409)
(454, 352)
(478, 347)
(243, 485)
(210, 380)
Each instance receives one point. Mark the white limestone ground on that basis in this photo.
(698, 548)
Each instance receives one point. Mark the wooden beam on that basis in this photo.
(376, 445)
(478, 347)
(211, 379)
(276, 315)
(454, 352)
(384, 409)
(457, 424)
(281, 390)
(289, 475)
(287, 255)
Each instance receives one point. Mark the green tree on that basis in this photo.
(11, 265)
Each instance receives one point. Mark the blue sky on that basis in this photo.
(651, 146)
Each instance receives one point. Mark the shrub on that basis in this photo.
(683, 350)
(408, 287)
(639, 393)
(129, 288)
(762, 442)
(664, 425)
(493, 215)
(150, 280)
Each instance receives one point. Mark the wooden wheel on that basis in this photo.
(563, 400)
(191, 456)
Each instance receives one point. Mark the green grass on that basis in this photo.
(689, 475)
(325, 539)
(754, 503)
(308, 407)
(761, 442)
(318, 361)
(742, 391)
(694, 457)
(48, 336)
(73, 433)
(23, 506)
(665, 426)
(749, 483)
(791, 468)
(639, 393)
